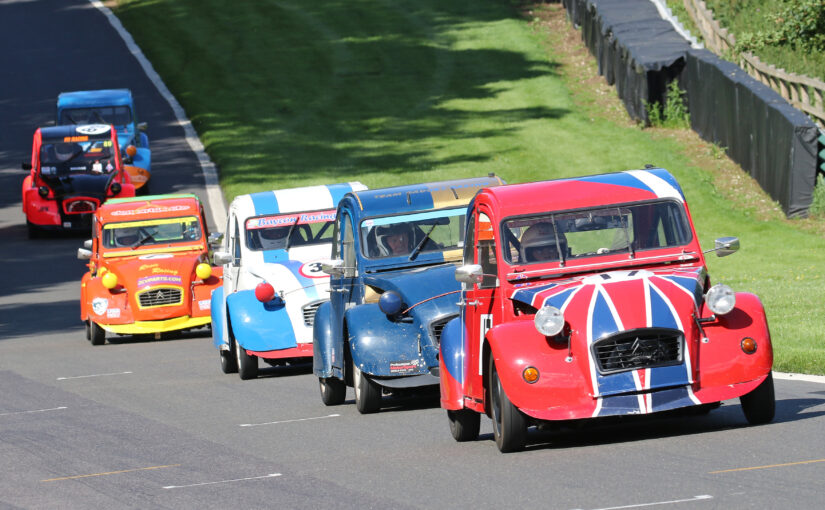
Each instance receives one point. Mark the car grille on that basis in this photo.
(637, 349)
(80, 205)
(309, 312)
(438, 326)
(164, 296)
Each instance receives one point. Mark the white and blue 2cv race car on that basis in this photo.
(272, 280)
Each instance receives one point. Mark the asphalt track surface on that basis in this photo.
(155, 424)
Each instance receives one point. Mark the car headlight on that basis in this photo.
(720, 299)
(549, 321)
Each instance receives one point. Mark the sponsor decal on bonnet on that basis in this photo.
(99, 305)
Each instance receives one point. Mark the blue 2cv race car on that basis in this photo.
(271, 254)
(116, 107)
(392, 289)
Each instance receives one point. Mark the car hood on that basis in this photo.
(155, 270)
(293, 278)
(420, 285)
(605, 303)
(79, 184)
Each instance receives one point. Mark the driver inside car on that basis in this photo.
(538, 243)
(127, 236)
(394, 239)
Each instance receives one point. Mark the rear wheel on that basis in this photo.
(464, 424)
(247, 364)
(509, 425)
(88, 331)
(333, 390)
(760, 404)
(97, 335)
(367, 392)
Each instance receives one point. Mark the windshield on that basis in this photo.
(77, 156)
(412, 234)
(593, 232)
(134, 234)
(284, 231)
(117, 115)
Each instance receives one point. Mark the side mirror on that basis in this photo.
(88, 244)
(221, 258)
(215, 239)
(724, 246)
(333, 267)
(470, 273)
(26, 165)
(142, 126)
(84, 254)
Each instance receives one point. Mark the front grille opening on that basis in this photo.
(638, 349)
(309, 311)
(163, 296)
(437, 327)
(80, 205)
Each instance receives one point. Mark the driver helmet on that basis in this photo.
(538, 243)
(126, 236)
(65, 151)
(383, 233)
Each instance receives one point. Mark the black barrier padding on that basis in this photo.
(636, 50)
(773, 141)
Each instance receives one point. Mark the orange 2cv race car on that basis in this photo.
(149, 270)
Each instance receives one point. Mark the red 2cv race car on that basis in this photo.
(589, 297)
(73, 170)
(149, 271)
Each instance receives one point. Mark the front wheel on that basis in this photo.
(333, 390)
(97, 335)
(229, 364)
(367, 392)
(509, 425)
(464, 424)
(247, 364)
(760, 404)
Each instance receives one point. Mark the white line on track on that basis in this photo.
(289, 421)
(34, 411)
(640, 505)
(91, 375)
(222, 481)
(800, 377)
(210, 172)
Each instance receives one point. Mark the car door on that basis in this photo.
(341, 285)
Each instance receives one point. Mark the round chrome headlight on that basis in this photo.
(549, 321)
(720, 299)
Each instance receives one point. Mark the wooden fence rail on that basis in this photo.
(803, 92)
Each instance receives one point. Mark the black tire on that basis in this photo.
(333, 390)
(88, 330)
(97, 335)
(34, 231)
(759, 405)
(367, 392)
(247, 364)
(509, 425)
(229, 364)
(464, 424)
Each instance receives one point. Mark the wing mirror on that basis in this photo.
(88, 244)
(215, 239)
(142, 126)
(221, 258)
(724, 246)
(469, 273)
(333, 267)
(84, 254)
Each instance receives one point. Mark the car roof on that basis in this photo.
(69, 130)
(306, 198)
(581, 192)
(421, 197)
(86, 98)
(151, 206)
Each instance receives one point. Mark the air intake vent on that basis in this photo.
(309, 312)
(164, 296)
(438, 326)
(637, 349)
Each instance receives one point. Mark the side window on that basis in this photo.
(486, 252)
(469, 241)
(348, 246)
(236, 244)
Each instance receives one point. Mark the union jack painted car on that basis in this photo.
(116, 107)
(590, 297)
(392, 289)
(272, 280)
(73, 170)
(149, 270)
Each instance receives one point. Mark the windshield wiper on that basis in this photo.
(421, 243)
(289, 234)
(99, 117)
(143, 241)
(71, 119)
(626, 234)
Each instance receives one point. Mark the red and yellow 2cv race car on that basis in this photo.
(149, 268)
(589, 297)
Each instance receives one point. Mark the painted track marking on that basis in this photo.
(640, 505)
(75, 477)
(769, 466)
(288, 421)
(34, 411)
(222, 481)
(91, 375)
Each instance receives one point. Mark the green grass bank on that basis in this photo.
(289, 93)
